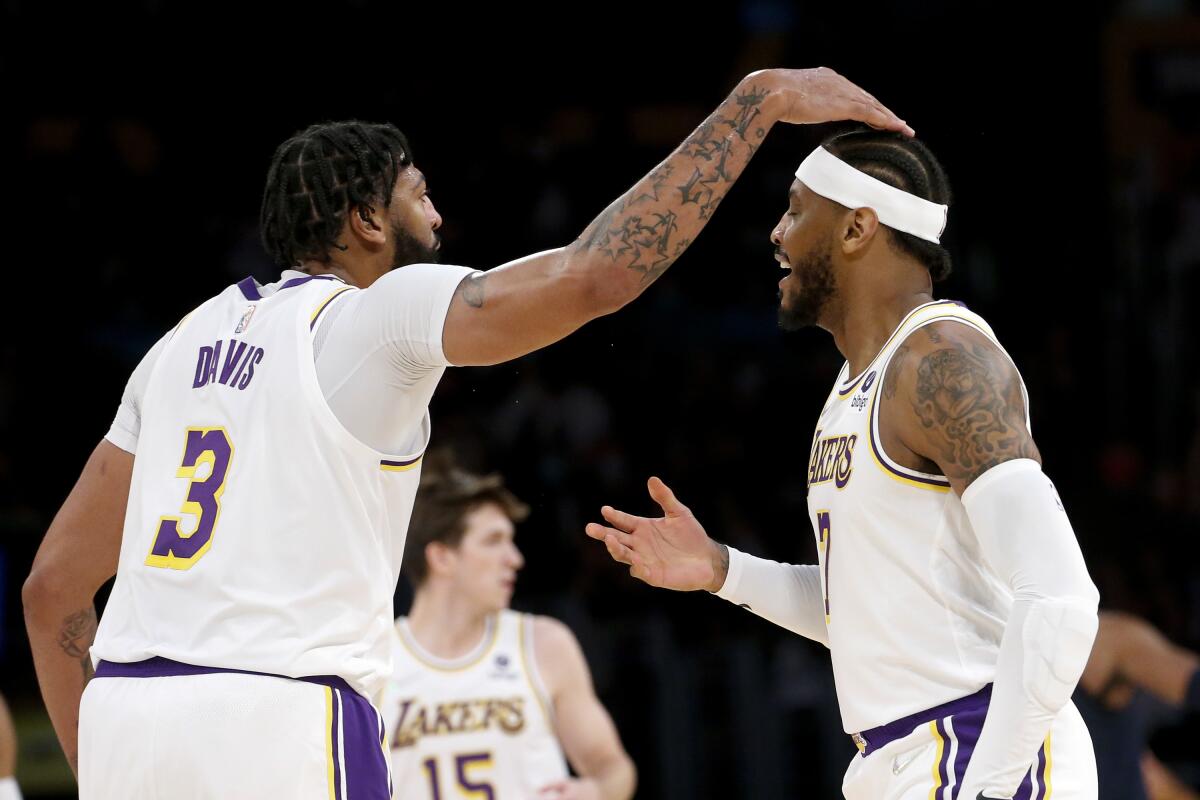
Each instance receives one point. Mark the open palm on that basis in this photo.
(671, 551)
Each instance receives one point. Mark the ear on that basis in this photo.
(365, 223)
(439, 557)
(861, 225)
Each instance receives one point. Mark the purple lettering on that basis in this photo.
(232, 357)
(250, 362)
(212, 365)
(202, 361)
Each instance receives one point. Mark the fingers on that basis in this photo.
(661, 494)
(625, 555)
(618, 551)
(598, 531)
(619, 519)
(551, 791)
(876, 114)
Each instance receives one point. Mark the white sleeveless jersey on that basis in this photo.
(914, 615)
(259, 535)
(483, 720)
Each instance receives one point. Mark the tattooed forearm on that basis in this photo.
(720, 567)
(968, 399)
(76, 636)
(651, 225)
(473, 289)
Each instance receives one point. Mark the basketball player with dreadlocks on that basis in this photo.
(950, 588)
(257, 536)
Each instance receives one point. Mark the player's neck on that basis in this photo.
(354, 272)
(445, 625)
(869, 317)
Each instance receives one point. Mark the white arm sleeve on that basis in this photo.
(128, 423)
(1027, 540)
(788, 595)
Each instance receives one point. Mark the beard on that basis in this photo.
(815, 270)
(411, 251)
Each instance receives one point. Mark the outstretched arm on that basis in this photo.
(956, 399)
(527, 304)
(674, 552)
(1130, 650)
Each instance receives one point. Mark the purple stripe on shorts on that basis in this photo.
(885, 734)
(966, 730)
(158, 667)
(967, 727)
(1025, 790)
(336, 739)
(1041, 773)
(943, 765)
(366, 767)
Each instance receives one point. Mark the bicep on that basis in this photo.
(584, 727)
(964, 403)
(514, 309)
(81, 548)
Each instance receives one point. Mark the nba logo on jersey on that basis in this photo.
(245, 323)
(501, 669)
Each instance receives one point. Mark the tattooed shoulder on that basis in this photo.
(472, 289)
(968, 403)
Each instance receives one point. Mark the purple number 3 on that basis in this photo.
(174, 548)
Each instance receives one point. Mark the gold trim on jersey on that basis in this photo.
(416, 651)
(328, 300)
(844, 393)
(894, 473)
(401, 466)
(894, 470)
(529, 663)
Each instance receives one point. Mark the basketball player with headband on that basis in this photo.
(950, 588)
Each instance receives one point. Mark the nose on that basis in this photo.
(518, 560)
(777, 233)
(435, 219)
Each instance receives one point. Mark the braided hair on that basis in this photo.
(906, 164)
(317, 175)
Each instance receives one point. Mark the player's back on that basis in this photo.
(260, 535)
(482, 720)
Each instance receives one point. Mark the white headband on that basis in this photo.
(834, 179)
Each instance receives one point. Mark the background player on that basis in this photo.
(481, 695)
(8, 755)
(1130, 658)
(951, 590)
(313, 421)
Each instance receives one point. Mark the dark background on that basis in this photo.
(136, 140)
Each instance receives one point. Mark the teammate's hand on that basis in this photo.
(671, 551)
(570, 789)
(807, 96)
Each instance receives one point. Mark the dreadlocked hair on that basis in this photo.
(317, 175)
(906, 164)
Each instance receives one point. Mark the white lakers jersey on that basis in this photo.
(483, 720)
(914, 615)
(259, 535)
